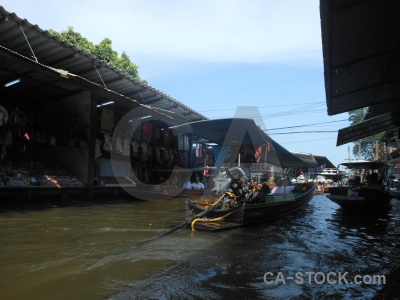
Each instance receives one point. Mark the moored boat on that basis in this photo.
(369, 198)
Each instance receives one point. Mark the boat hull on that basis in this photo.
(367, 200)
(245, 214)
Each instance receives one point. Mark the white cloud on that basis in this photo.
(156, 32)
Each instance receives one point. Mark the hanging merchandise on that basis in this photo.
(185, 159)
(147, 130)
(149, 151)
(135, 148)
(126, 148)
(135, 129)
(145, 151)
(158, 154)
(107, 143)
(3, 116)
(186, 145)
(166, 137)
(118, 145)
(97, 151)
(180, 141)
(166, 156)
(171, 157)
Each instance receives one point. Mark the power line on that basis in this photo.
(294, 132)
(266, 106)
(230, 45)
(289, 127)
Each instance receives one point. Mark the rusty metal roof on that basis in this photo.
(29, 40)
(361, 40)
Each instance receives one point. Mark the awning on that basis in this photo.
(365, 165)
(308, 158)
(360, 41)
(369, 127)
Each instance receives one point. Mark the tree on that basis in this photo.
(74, 38)
(103, 50)
(124, 63)
(366, 147)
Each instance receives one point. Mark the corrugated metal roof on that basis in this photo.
(29, 40)
(63, 82)
(367, 128)
(361, 59)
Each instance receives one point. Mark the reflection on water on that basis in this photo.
(92, 252)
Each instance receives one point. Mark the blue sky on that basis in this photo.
(217, 55)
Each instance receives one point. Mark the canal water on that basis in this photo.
(99, 251)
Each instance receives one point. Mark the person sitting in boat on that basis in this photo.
(355, 185)
(197, 185)
(281, 186)
(236, 189)
(373, 181)
(256, 195)
(243, 183)
(188, 184)
(301, 178)
(335, 182)
(265, 189)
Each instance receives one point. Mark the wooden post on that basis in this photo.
(92, 145)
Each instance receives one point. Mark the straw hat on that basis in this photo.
(4, 119)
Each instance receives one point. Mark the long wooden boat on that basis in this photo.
(224, 213)
(235, 136)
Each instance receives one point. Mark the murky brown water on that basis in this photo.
(91, 252)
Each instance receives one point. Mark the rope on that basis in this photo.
(28, 43)
(99, 76)
(209, 220)
(222, 197)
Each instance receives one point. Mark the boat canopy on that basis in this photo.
(307, 158)
(238, 132)
(371, 165)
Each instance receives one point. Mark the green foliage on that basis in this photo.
(124, 63)
(103, 50)
(75, 38)
(366, 147)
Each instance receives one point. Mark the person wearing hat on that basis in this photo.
(236, 189)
